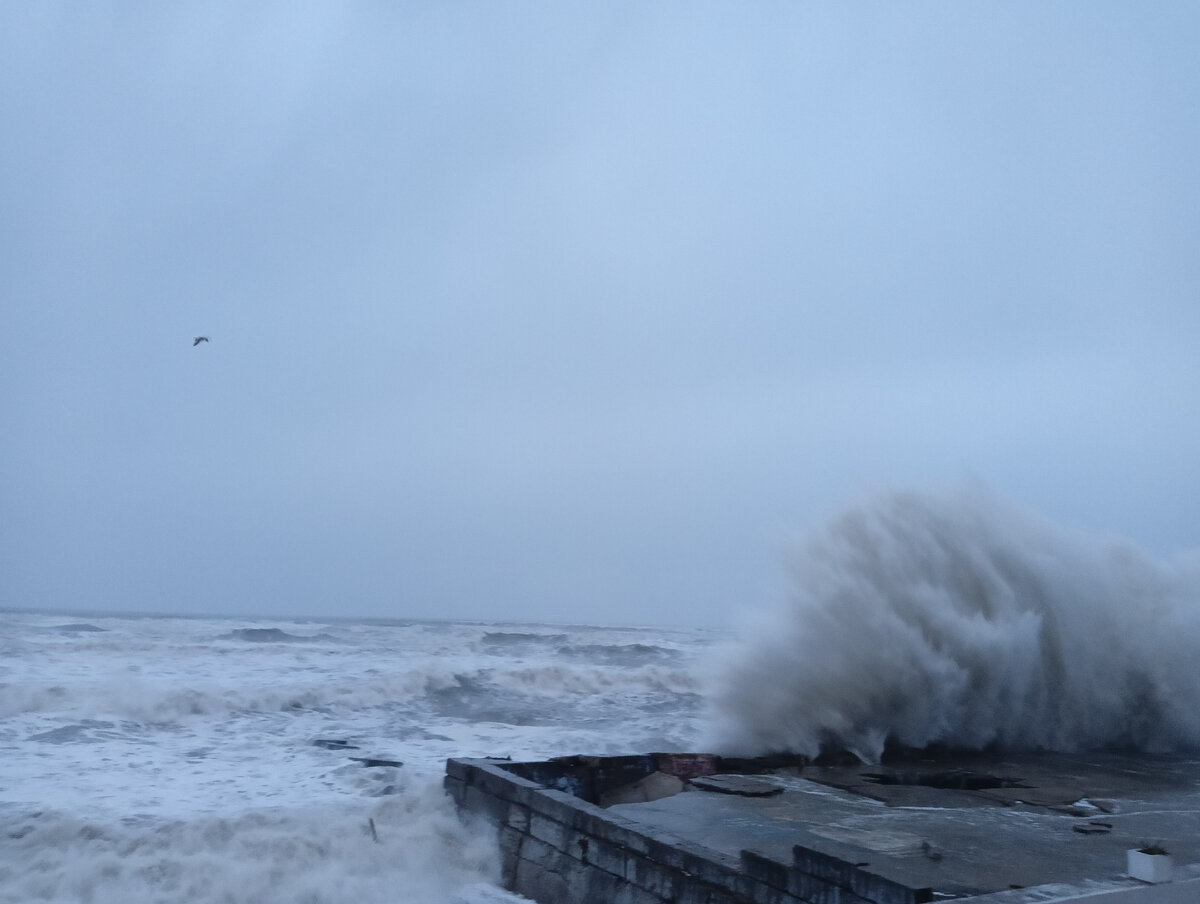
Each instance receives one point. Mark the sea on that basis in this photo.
(168, 759)
(249, 760)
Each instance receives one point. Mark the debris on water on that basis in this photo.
(372, 761)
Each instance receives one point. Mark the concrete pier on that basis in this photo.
(702, 829)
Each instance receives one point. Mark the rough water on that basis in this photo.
(231, 760)
(205, 760)
(957, 620)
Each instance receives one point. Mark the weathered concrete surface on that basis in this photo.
(557, 847)
(961, 842)
(1000, 830)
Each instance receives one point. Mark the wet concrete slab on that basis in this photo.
(962, 826)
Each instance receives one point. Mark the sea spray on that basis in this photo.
(408, 847)
(958, 620)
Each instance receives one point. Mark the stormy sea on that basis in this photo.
(246, 760)
(204, 760)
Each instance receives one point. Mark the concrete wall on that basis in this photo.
(559, 848)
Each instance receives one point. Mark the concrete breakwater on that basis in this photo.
(702, 829)
(559, 844)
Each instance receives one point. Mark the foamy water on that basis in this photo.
(955, 619)
(206, 760)
(157, 759)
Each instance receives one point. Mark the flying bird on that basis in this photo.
(198, 340)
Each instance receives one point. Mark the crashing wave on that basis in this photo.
(956, 620)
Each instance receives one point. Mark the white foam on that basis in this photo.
(418, 850)
(174, 759)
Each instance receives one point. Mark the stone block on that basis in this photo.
(711, 866)
(627, 834)
(455, 788)
(551, 831)
(509, 841)
(822, 866)
(502, 784)
(660, 881)
(660, 847)
(803, 886)
(600, 853)
(812, 890)
(594, 885)
(545, 856)
(763, 869)
(457, 769)
(863, 883)
(539, 883)
(557, 805)
(609, 827)
(823, 893)
(631, 894)
(479, 801)
(873, 887)
(693, 890)
(518, 817)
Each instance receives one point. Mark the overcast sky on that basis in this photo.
(578, 311)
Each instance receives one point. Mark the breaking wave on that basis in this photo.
(511, 639)
(146, 699)
(413, 840)
(957, 620)
(275, 635)
(623, 654)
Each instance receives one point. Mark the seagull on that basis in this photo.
(198, 340)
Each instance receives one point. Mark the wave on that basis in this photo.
(958, 620)
(632, 654)
(147, 700)
(274, 635)
(555, 680)
(413, 840)
(507, 640)
(553, 694)
(142, 699)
